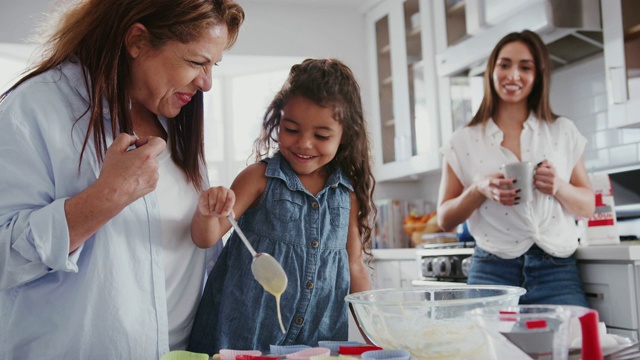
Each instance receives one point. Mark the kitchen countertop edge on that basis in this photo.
(394, 254)
(624, 251)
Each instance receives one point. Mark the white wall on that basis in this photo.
(303, 30)
(273, 30)
(20, 19)
(306, 31)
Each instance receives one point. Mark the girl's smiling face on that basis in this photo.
(309, 136)
(515, 72)
(165, 79)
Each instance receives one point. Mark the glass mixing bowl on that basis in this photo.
(429, 322)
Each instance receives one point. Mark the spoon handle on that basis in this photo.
(241, 234)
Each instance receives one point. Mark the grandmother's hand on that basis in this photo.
(129, 173)
(495, 187)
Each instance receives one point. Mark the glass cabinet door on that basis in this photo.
(390, 54)
(456, 20)
(460, 98)
(466, 95)
(422, 81)
(418, 115)
(385, 89)
(406, 128)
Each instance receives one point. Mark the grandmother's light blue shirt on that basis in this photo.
(107, 299)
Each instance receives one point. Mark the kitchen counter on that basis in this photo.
(394, 254)
(625, 251)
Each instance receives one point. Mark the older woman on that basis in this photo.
(102, 163)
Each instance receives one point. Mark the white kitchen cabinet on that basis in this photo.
(386, 274)
(463, 18)
(467, 30)
(455, 19)
(611, 281)
(611, 289)
(394, 268)
(622, 60)
(404, 120)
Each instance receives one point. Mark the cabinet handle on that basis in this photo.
(598, 296)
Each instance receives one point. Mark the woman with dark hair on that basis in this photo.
(102, 165)
(528, 244)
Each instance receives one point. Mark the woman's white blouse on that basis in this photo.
(508, 231)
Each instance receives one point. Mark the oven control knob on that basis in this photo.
(427, 267)
(466, 265)
(455, 265)
(441, 266)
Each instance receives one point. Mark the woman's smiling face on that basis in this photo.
(514, 73)
(163, 80)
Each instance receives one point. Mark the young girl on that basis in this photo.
(526, 244)
(309, 205)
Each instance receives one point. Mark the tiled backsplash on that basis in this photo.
(579, 93)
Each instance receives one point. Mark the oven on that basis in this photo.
(443, 264)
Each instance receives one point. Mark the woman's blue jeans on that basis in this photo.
(547, 279)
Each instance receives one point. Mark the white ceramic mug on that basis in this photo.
(523, 173)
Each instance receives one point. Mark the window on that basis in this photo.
(234, 110)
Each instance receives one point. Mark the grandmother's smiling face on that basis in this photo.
(165, 79)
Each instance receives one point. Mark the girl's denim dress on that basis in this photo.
(307, 235)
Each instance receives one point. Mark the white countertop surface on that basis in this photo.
(625, 251)
(394, 254)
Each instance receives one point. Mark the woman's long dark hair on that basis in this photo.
(94, 31)
(538, 100)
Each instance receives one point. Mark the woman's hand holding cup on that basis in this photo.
(546, 179)
(498, 188)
